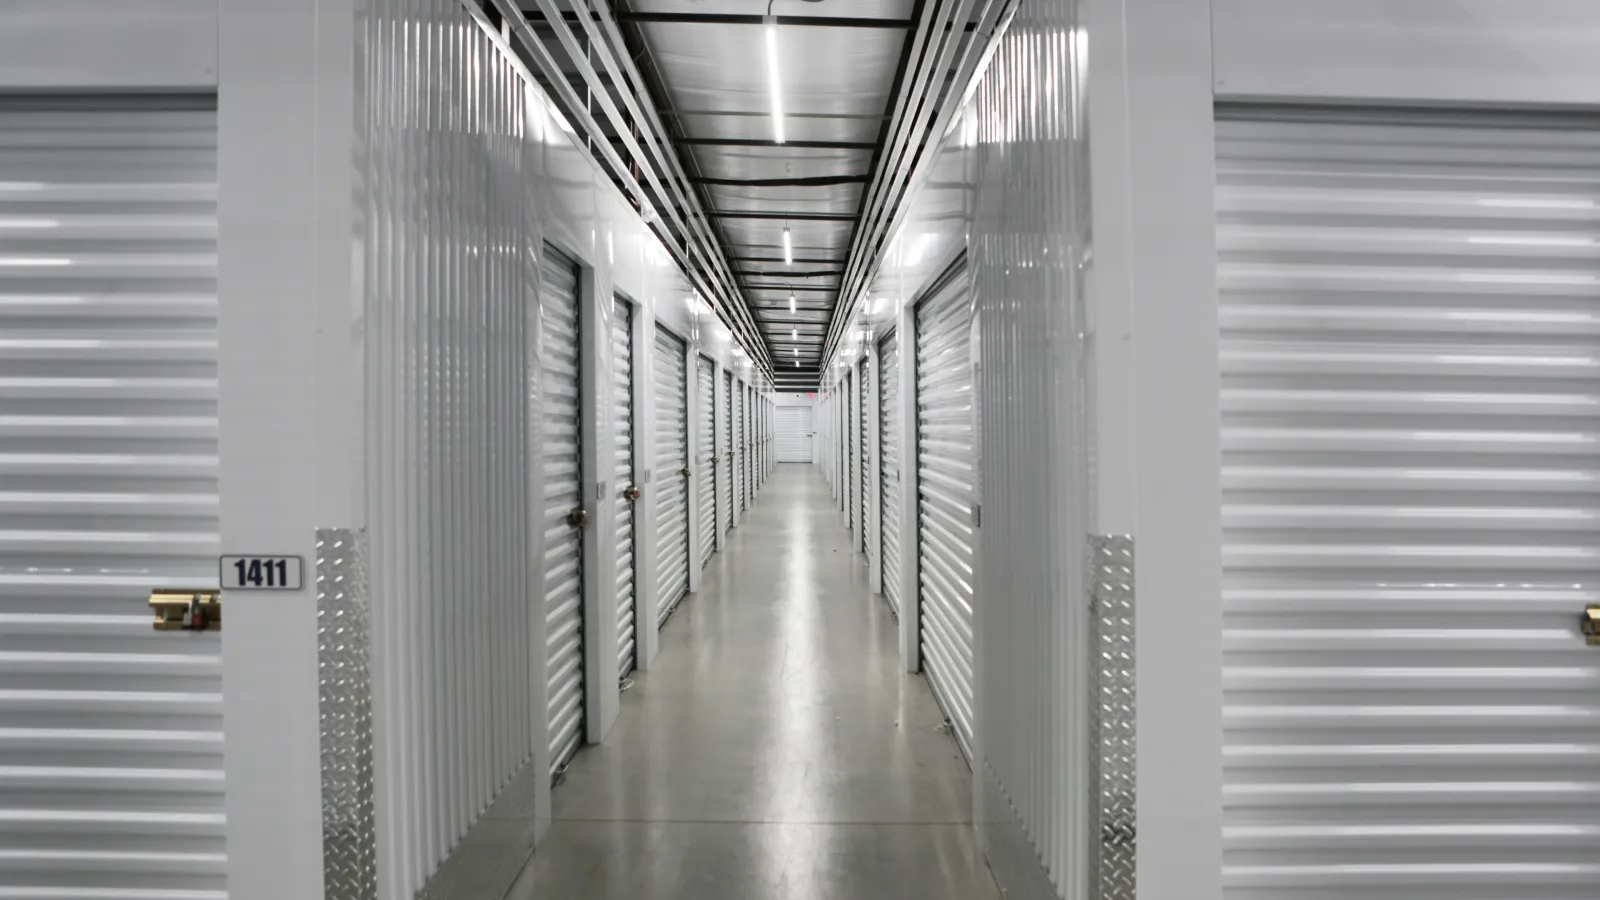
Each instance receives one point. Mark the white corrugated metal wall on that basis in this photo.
(706, 465)
(1410, 318)
(736, 441)
(865, 410)
(622, 418)
(109, 732)
(447, 390)
(671, 468)
(1028, 253)
(947, 497)
(725, 498)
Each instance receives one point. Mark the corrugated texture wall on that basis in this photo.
(448, 287)
(1028, 252)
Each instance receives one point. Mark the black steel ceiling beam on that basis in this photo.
(684, 18)
(785, 273)
(783, 216)
(767, 142)
(804, 260)
(814, 181)
(791, 287)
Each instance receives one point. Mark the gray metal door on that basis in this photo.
(1410, 358)
(671, 484)
(740, 484)
(794, 434)
(864, 441)
(706, 465)
(848, 434)
(563, 478)
(111, 769)
(725, 458)
(622, 419)
(889, 466)
(946, 482)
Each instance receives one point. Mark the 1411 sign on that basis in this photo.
(261, 573)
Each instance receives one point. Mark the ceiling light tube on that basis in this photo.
(788, 247)
(774, 80)
(794, 334)
(791, 301)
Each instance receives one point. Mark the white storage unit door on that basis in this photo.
(1410, 323)
(725, 461)
(889, 466)
(563, 478)
(794, 434)
(946, 479)
(706, 465)
(622, 405)
(111, 769)
(847, 435)
(671, 485)
(740, 483)
(864, 439)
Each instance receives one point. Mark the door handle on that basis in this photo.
(185, 609)
(578, 517)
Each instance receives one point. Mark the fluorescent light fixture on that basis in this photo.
(774, 80)
(794, 334)
(788, 247)
(791, 301)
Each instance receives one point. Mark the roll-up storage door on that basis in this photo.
(739, 482)
(563, 477)
(706, 465)
(864, 441)
(671, 484)
(889, 466)
(110, 732)
(847, 434)
(622, 405)
(725, 462)
(1410, 327)
(794, 434)
(946, 482)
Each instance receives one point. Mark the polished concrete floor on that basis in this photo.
(775, 749)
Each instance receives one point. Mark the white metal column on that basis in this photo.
(671, 484)
(1410, 322)
(563, 479)
(623, 426)
(946, 452)
(110, 732)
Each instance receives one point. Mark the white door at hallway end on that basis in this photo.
(794, 434)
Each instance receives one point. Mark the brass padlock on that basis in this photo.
(186, 609)
(1591, 625)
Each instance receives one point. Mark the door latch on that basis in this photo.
(578, 517)
(686, 472)
(182, 609)
(631, 493)
(1591, 625)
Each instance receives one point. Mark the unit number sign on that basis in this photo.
(261, 573)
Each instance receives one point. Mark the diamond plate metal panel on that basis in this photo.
(1113, 703)
(344, 640)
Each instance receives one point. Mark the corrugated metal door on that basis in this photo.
(847, 434)
(563, 474)
(671, 484)
(864, 439)
(794, 434)
(110, 733)
(706, 466)
(737, 418)
(622, 404)
(1410, 314)
(889, 466)
(947, 477)
(725, 462)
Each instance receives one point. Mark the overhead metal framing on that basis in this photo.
(950, 46)
(652, 177)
